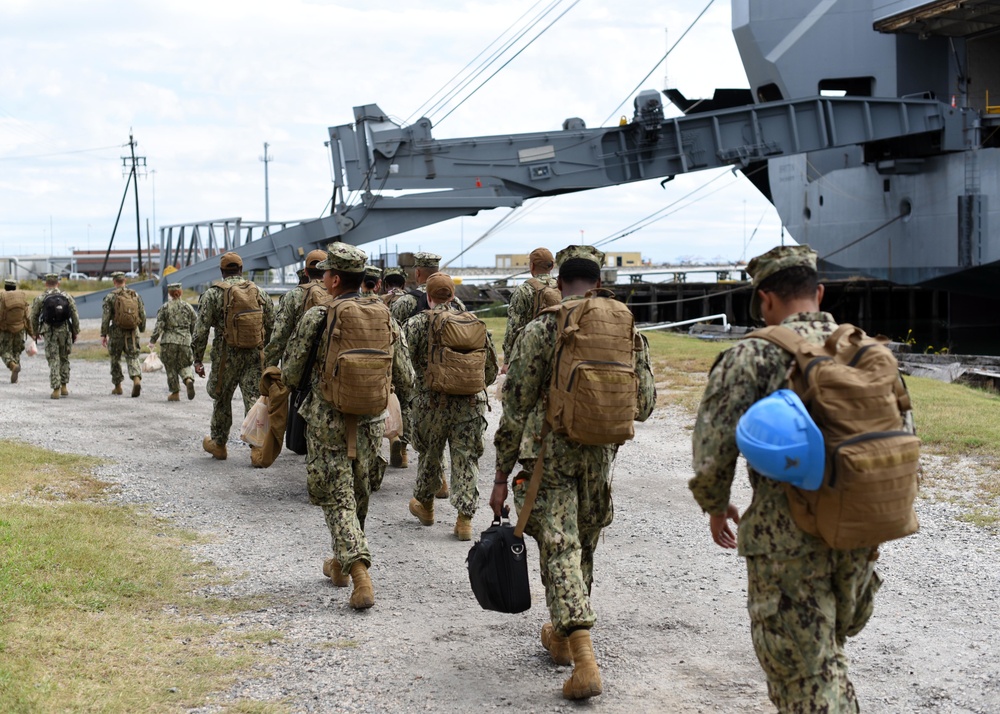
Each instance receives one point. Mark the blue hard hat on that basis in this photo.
(779, 439)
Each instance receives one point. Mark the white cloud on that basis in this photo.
(204, 84)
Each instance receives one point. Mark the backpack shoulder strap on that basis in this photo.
(785, 338)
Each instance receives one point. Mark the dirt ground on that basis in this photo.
(673, 632)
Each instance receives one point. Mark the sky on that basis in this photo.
(203, 85)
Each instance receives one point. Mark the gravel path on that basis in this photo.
(673, 633)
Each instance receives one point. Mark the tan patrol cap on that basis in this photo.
(541, 256)
(230, 260)
(314, 257)
(441, 287)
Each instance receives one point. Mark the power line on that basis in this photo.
(58, 153)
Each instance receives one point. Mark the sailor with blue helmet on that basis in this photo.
(804, 598)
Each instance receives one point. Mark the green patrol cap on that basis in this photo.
(394, 271)
(301, 272)
(777, 259)
(51, 277)
(426, 260)
(584, 252)
(373, 271)
(344, 257)
(11, 282)
(118, 275)
(175, 286)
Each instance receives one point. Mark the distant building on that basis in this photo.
(519, 261)
(127, 261)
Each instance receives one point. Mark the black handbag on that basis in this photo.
(295, 426)
(498, 569)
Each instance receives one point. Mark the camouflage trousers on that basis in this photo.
(465, 441)
(231, 369)
(572, 506)
(801, 612)
(58, 345)
(177, 360)
(406, 416)
(341, 487)
(11, 347)
(123, 342)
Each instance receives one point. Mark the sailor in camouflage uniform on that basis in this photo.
(120, 341)
(12, 343)
(290, 309)
(303, 275)
(521, 308)
(337, 483)
(574, 499)
(393, 281)
(58, 339)
(458, 421)
(174, 328)
(231, 366)
(408, 305)
(372, 282)
(804, 598)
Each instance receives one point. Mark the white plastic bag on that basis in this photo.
(152, 362)
(257, 423)
(394, 420)
(498, 387)
(30, 347)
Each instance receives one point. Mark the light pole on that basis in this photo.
(153, 174)
(267, 201)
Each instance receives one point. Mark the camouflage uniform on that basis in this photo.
(58, 338)
(122, 341)
(804, 598)
(12, 343)
(406, 306)
(339, 485)
(391, 296)
(456, 420)
(521, 311)
(174, 328)
(231, 366)
(574, 498)
(288, 316)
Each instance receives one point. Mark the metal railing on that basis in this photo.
(668, 325)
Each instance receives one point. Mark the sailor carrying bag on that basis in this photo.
(852, 389)
(357, 374)
(498, 568)
(545, 296)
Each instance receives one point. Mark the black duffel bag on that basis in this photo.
(498, 569)
(295, 426)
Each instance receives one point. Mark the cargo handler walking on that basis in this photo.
(54, 319)
(350, 354)
(569, 428)
(123, 317)
(805, 598)
(242, 316)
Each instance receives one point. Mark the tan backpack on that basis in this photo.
(357, 375)
(546, 296)
(243, 314)
(456, 352)
(316, 294)
(593, 396)
(125, 315)
(852, 389)
(13, 311)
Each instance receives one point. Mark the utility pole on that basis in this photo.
(267, 201)
(133, 164)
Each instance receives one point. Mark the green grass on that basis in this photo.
(98, 609)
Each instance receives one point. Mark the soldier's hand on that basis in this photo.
(722, 534)
(104, 341)
(74, 337)
(499, 493)
(199, 369)
(503, 370)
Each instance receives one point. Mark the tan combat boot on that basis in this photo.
(585, 682)
(136, 386)
(443, 491)
(189, 383)
(556, 645)
(423, 511)
(55, 393)
(218, 451)
(332, 570)
(363, 596)
(63, 391)
(117, 389)
(14, 369)
(174, 397)
(463, 527)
